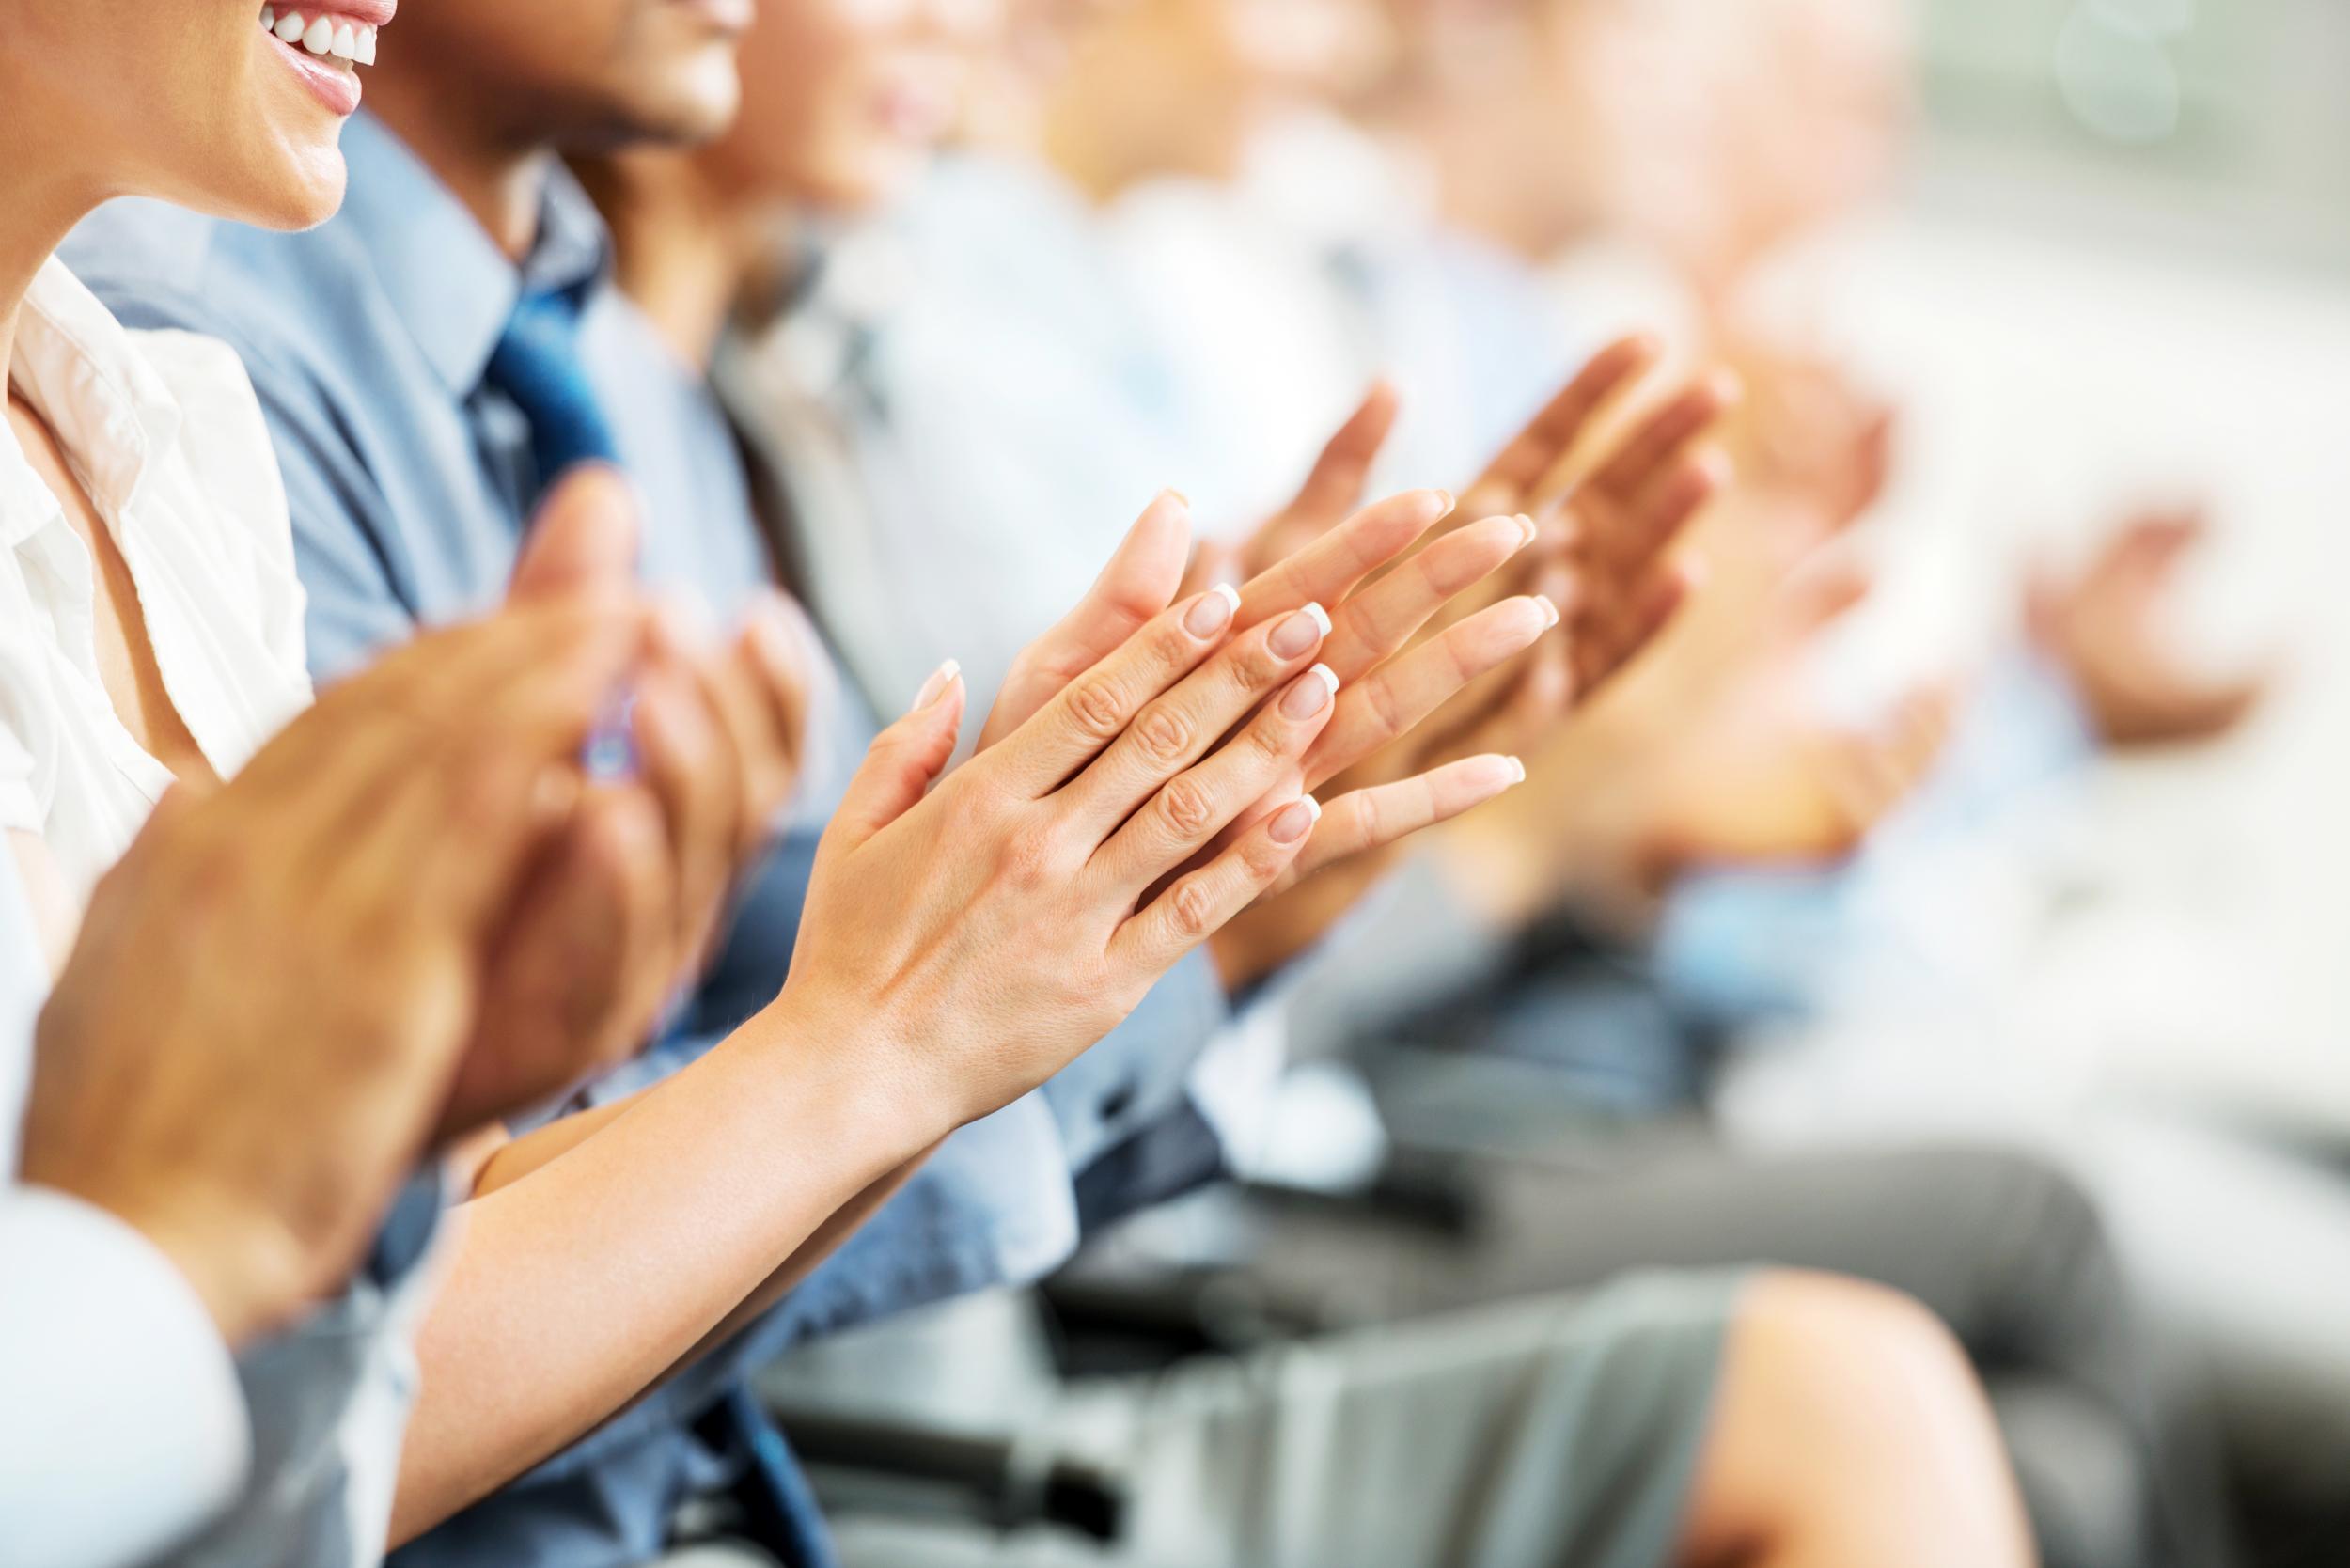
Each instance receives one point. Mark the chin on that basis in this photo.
(293, 190)
(310, 193)
(699, 101)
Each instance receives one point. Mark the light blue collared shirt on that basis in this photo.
(367, 339)
(1763, 943)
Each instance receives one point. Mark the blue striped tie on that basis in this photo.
(537, 362)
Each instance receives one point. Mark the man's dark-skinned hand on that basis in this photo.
(1600, 557)
(620, 908)
(258, 1027)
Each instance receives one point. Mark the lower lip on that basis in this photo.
(920, 117)
(336, 86)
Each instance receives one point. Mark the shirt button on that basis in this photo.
(1118, 1102)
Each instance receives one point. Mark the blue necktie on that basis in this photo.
(537, 364)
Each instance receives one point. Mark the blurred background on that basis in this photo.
(1986, 798)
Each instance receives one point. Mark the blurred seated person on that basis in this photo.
(897, 470)
(798, 161)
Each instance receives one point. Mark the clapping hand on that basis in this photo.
(2104, 625)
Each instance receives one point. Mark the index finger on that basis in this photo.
(1538, 448)
(1327, 570)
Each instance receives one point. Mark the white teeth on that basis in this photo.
(345, 40)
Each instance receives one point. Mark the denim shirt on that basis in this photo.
(367, 340)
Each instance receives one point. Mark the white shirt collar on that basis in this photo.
(110, 412)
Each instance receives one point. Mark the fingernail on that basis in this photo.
(1177, 497)
(1296, 636)
(1296, 820)
(1550, 610)
(1517, 767)
(1448, 501)
(1525, 528)
(677, 625)
(935, 687)
(1312, 693)
(1214, 611)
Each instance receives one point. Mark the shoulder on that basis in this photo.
(161, 268)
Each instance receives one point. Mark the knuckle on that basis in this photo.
(1255, 667)
(1164, 733)
(1191, 910)
(1186, 808)
(1380, 697)
(1173, 649)
(1274, 739)
(1095, 707)
(1263, 858)
(1028, 860)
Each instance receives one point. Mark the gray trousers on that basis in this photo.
(1558, 1432)
(2107, 1429)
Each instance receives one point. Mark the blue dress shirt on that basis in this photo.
(368, 341)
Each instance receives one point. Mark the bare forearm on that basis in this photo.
(535, 1151)
(577, 1285)
(844, 1223)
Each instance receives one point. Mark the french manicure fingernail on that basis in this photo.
(1449, 502)
(1550, 610)
(935, 687)
(1526, 527)
(1517, 767)
(1312, 693)
(1296, 636)
(1214, 611)
(1296, 820)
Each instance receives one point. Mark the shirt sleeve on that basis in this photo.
(122, 1423)
(343, 536)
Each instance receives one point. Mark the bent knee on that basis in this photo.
(1852, 1351)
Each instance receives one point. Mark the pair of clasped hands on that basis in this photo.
(413, 912)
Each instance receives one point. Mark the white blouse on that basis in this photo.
(165, 432)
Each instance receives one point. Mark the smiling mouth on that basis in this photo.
(322, 33)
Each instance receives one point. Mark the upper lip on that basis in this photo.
(368, 13)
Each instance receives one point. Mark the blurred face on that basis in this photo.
(1315, 49)
(843, 100)
(581, 74)
(195, 101)
(1733, 129)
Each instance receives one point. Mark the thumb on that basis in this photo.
(902, 764)
(1819, 599)
(583, 540)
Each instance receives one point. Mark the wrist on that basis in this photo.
(895, 1095)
